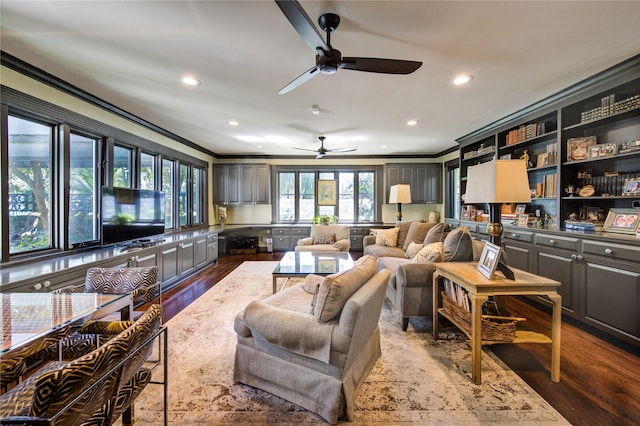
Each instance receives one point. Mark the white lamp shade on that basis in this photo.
(400, 194)
(498, 181)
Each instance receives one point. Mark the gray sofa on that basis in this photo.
(410, 286)
(314, 343)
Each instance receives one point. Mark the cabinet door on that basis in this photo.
(612, 297)
(563, 266)
(520, 256)
(169, 261)
(219, 184)
(395, 174)
(200, 251)
(434, 184)
(212, 247)
(233, 184)
(263, 185)
(187, 257)
(248, 187)
(146, 260)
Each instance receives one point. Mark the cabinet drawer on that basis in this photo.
(299, 232)
(615, 251)
(556, 241)
(212, 238)
(280, 231)
(513, 234)
(356, 232)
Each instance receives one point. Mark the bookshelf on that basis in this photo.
(581, 145)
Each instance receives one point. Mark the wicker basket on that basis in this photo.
(497, 329)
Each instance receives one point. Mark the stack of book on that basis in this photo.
(581, 226)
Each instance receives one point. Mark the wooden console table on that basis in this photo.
(479, 289)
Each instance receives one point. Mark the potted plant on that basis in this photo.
(325, 219)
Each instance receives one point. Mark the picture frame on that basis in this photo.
(326, 192)
(542, 160)
(622, 221)
(489, 259)
(326, 266)
(631, 187)
(522, 220)
(520, 208)
(578, 148)
(603, 150)
(465, 214)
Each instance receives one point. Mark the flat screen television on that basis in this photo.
(131, 214)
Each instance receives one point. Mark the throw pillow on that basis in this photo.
(387, 237)
(437, 233)
(429, 254)
(416, 234)
(458, 245)
(337, 288)
(413, 249)
(325, 239)
(403, 231)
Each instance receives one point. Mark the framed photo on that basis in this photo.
(631, 187)
(542, 159)
(520, 208)
(622, 221)
(326, 192)
(522, 220)
(326, 266)
(578, 148)
(465, 214)
(603, 150)
(489, 259)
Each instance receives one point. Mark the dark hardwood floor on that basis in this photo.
(599, 381)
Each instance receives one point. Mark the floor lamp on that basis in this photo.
(400, 194)
(496, 182)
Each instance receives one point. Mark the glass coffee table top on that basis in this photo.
(321, 263)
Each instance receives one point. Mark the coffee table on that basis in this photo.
(300, 264)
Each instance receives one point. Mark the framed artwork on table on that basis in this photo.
(622, 221)
(326, 266)
(522, 220)
(326, 192)
(631, 187)
(489, 259)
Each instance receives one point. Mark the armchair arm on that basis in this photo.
(368, 240)
(343, 245)
(415, 275)
(104, 327)
(292, 331)
(305, 241)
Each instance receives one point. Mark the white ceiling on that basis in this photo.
(132, 53)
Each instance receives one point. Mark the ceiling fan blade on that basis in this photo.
(384, 66)
(302, 24)
(304, 149)
(342, 150)
(320, 155)
(302, 78)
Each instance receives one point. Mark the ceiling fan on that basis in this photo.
(328, 59)
(322, 151)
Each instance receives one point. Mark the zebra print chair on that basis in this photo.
(91, 390)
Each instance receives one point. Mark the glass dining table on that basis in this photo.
(25, 317)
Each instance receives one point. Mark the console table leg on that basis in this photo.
(476, 337)
(555, 336)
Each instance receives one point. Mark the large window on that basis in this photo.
(30, 196)
(297, 201)
(51, 195)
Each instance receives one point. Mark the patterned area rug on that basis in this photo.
(418, 380)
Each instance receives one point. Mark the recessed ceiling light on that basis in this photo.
(233, 123)
(462, 79)
(258, 146)
(412, 122)
(190, 80)
(315, 109)
(384, 146)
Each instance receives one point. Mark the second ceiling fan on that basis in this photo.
(322, 151)
(328, 59)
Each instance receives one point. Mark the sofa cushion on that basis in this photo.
(458, 245)
(337, 288)
(387, 237)
(437, 233)
(384, 251)
(325, 239)
(413, 249)
(430, 253)
(391, 264)
(416, 233)
(403, 231)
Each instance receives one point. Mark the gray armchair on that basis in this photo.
(326, 238)
(314, 343)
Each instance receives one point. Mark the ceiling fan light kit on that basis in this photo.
(328, 59)
(322, 151)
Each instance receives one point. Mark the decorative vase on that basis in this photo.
(434, 216)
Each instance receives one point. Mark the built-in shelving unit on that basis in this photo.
(598, 120)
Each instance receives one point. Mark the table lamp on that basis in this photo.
(496, 182)
(400, 194)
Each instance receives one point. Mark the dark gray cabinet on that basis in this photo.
(200, 250)
(425, 180)
(241, 184)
